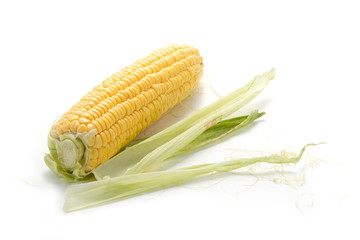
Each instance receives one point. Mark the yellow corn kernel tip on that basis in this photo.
(124, 104)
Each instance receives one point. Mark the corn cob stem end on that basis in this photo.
(69, 155)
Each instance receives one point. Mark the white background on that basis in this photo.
(52, 53)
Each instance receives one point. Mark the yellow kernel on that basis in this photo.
(113, 114)
(103, 138)
(71, 117)
(98, 110)
(137, 74)
(151, 92)
(107, 151)
(98, 141)
(117, 129)
(159, 64)
(81, 128)
(102, 152)
(94, 154)
(121, 85)
(134, 90)
(139, 127)
(128, 94)
(139, 86)
(121, 96)
(130, 79)
(112, 133)
(169, 86)
(88, 116)
(91, 103)
(143, 99)
(118, 143)
(74, 125)
(131, 120)
(103, 106)
(122, 125)
(129, 106)
(78, 112)
(151, 107)
(113, 88)
(146, 112)
(147, 96)
(121, 110)
(94, 112)
(138, 116)
(147, 70)
(91, 142)
(143, 71)
(117, 99)
(66, 124)
(83, 120)
(97, 126)
(156, 78)
(109, 103)
(137, 102)
(108, 121)
(96, 97)
(102, 122)
(108, 136)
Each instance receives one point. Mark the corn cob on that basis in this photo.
(123, 105)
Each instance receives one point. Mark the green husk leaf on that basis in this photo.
(149, 154)
(100, 192)
(219, 131)
(214, 133)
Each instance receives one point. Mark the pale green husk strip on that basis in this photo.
(149, 154)
(96, 193)
(214, 133)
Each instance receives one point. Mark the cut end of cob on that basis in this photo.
(69, 155)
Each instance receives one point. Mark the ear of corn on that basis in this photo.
(123, 105)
